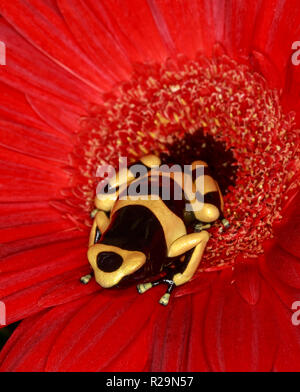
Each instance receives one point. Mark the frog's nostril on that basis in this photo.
(109, 261)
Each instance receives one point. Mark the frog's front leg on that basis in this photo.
(192, 260)
(192, 245)
(100, 224)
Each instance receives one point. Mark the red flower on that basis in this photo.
(86, 81)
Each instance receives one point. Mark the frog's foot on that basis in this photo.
(143, 287)
(164, 300)
(86, 278)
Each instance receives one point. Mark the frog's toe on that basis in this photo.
(165, 299)
(85, 279)
(143, 287)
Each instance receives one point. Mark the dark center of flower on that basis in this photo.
(198, 145)
(214, 110)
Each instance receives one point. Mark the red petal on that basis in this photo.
(133, 26)
(190, 26)
(265, 65)
(198, 25)
(17, 246)
(69, 289)
(288, 354)
(100, 335)
(247, 282)
(33, 266)
(240, 20)
(178, 335)
(95, 39)
(196, 357)
(33, 73)
(15, 107)
(239, 336)
(168, 354)
(276, 28)
(286, 294)
(48, 32)
(291, 92)
(199, 283)
(60, 118)
(285, 266)
(18, 231)
(15, 337)
(31, 141)
(288, 233)
(26, 178)
(25, 303)
(24, 351)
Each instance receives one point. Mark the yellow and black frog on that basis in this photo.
(148, 224)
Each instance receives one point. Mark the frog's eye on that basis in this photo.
(109, 261)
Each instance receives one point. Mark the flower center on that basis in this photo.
(202, 108)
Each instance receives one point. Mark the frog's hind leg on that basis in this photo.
(192, 247)
(192, 260)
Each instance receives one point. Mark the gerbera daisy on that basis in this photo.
(88, 81)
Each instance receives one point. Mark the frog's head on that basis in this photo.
(111, 263)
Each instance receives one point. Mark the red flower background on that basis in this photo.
(83, 83)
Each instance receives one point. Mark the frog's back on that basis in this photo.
(163, 197)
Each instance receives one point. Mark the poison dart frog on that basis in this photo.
(161, 235)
